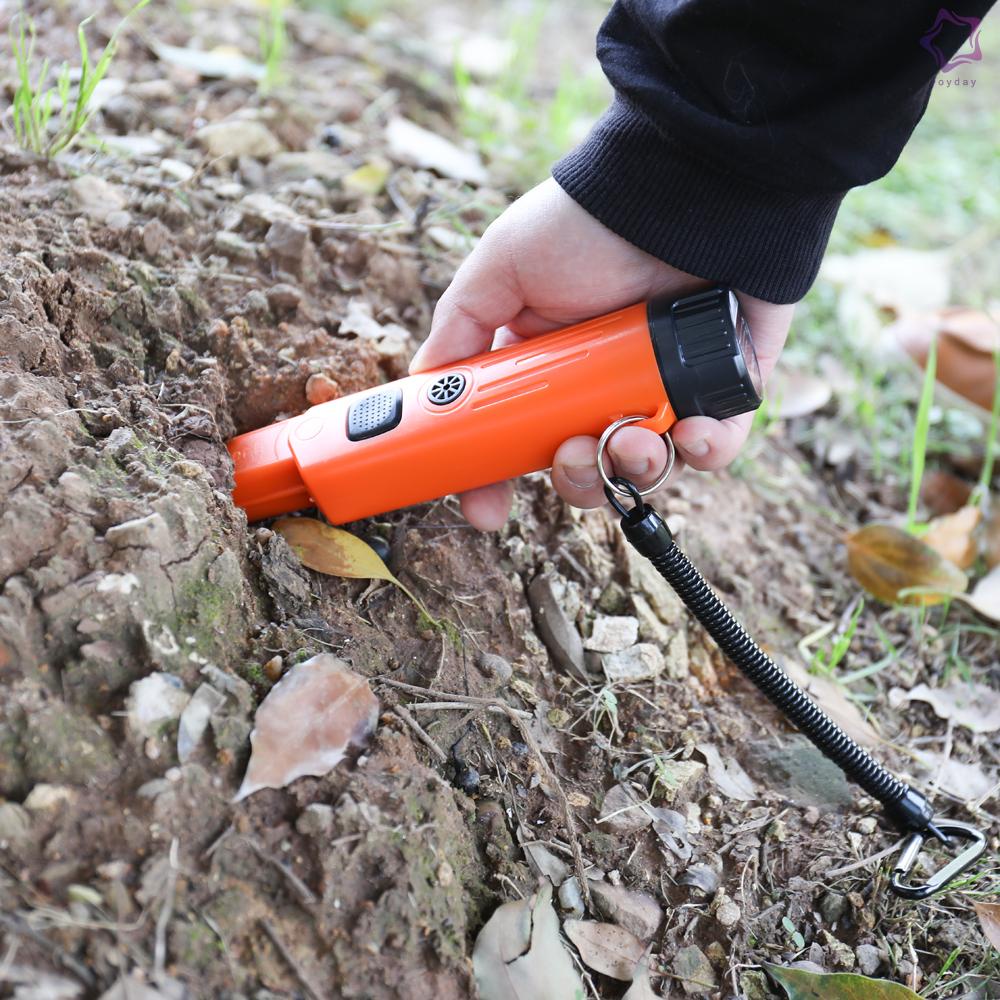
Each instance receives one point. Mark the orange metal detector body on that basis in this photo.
(497, 415)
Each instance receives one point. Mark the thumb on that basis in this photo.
(483, 296)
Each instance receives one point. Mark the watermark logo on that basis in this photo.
(945, 24)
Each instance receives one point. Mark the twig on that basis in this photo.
(835, 872)
(435, 706)
(15, 926)
(163, 920)
(305, 894)
(465, 699)
(289, 958)
(421, 733)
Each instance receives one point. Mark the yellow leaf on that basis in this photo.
(336, 552)
(368, 179)
(952, 536)
(897, 568)
(799, 984)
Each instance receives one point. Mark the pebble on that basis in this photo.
(841, 955)
(869, 959)
(623, 812)
(638, 663)
(238, 137)
(154, 701)
(728, 913)
(286, 240)
(867, 825)
(695, 971)
(177, 169)
(283, 298)
(15, 823)
(679, 777)
(155, 237)
(570, 897)
(233, 246)
(195, 718)
(612, 633)
(316, 820)
(496, 666)
(95, 197)
(44, 797)
(832, 906)
(122, 113)
(468, 780)
(321, 388)
(300, 166)
(638, 912)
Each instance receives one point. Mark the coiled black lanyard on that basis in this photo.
(905, 807)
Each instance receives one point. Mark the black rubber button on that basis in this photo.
(374, 414)
(447, 388)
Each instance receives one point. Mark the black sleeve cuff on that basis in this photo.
(694, 216)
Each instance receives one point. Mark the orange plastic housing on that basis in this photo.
(518, 405)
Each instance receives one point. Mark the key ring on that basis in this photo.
(606, 437)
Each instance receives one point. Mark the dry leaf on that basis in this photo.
(832, 698)
(641, 988)
(799, 984)
(985, 596)
(520, 956)
(417, 145)
(975, 706)
(605, 948)
(966, 342)
(991, 536)
(306, 722)
(943, 493)
(968, 780)
(797, 394)
(887, 562)
(336, 552)
(731, 779)
(989, 920)
(953, 536)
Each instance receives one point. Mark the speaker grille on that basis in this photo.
(447, 389)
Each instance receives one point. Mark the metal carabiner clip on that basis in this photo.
(942, 878)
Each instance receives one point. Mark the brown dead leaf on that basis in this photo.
(953, 536)
(943, 493)
(336, 552)
(887, 562)
(605, 948)
(306, 722)
(967, 339)
(989, 920)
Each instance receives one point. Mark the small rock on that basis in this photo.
(614, 599)
(15, 823)
(612, 633)
(754, 986)
(118, 220)
(677, 778)
(301, 166)
(571, 898)
(122, 113)
(867, 825)
(554, 627)
(841, 955)
(95, 197)
(638, 663)
(495, 666)
(316, 820)
(238, 137)
(622, 812)
(273, 668)
(321, 388)
(869, 959)
(638, 912)
(44, 797)
(234, 247)
(651, 629)
(195, 718)
(408, 141)
(152, 702)
(177, 169)
(695, 971)
(283, 299)
(716, 954)
(468, 780)
(287, 240)
(727, 912)
(832, 906)
(155, 237)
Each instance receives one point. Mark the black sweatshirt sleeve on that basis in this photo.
(738, 127)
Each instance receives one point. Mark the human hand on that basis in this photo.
(544, 264)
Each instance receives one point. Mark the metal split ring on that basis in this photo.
(603, 443)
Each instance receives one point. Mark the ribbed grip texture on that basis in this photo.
(772, 681)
